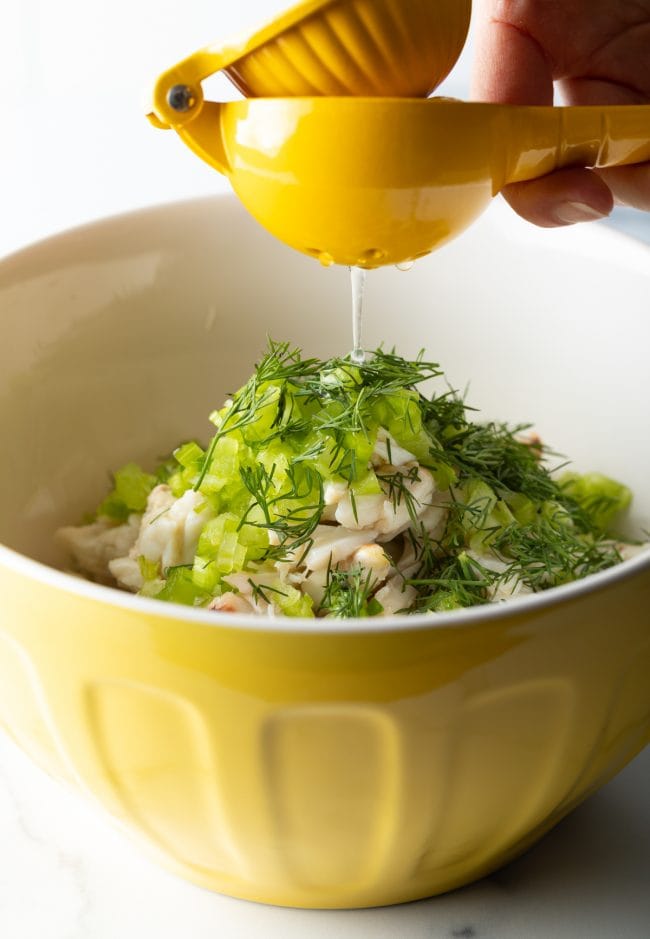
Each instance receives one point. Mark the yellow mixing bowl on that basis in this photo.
(329, 47)
(369, 182)
(314, 764)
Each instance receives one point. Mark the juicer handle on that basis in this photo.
(543, 139)
(177, 95)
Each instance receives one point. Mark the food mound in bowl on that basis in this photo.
(338, 489)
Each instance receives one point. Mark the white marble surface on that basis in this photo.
(66, 873)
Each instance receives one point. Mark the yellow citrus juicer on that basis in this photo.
(369, 181)
(330, 47)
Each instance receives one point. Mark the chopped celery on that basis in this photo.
(181, 587)
(189, 455)
(600, 497)
(497, 516)
(367, 485)
(292, 603)
(131, 490)
(523, 508)
(150, 570)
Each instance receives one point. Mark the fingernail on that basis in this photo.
(568, 213)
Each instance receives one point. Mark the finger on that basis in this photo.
(561, 198)
(629, 184)
(509, 65)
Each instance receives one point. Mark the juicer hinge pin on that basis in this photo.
(181, 98)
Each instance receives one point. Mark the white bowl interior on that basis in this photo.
(119, 338)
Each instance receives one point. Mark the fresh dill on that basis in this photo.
(349, 594)
(262, 591)
(545, 554)
(398, 489)
(452, 583)
(292, 511)
(298, 424)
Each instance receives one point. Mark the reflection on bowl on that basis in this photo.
(317, 765)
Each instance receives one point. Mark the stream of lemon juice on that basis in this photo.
(359, 277)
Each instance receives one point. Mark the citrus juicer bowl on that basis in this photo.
(369, 182)
(329, 47)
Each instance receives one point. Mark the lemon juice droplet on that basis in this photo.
(326, 259)
(358, 277)
(405, 265)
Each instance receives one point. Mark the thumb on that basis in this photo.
(511, 67)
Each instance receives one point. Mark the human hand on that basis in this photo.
(598, 52)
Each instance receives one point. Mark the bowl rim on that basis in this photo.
(417, 622)
(455, 619)
(602, 230)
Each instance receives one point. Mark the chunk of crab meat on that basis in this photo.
(171, 527)
(330, 545)
(434, 521)
(373, 559)
(507, 589)
(397, 515)
(387, 450)
(409, 560)
(333, 493)
(490, 561)
(314, 584)
(395, 596)
(629, 551)
(93, 547)
(233, 603)
(360, 512)
(353, 512)
(243, 584)
(255, 588)
(429, 528)
(126, 571)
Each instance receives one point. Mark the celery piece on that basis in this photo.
(131, 490)
(189, 455)
(602, 498)
(180, 587)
